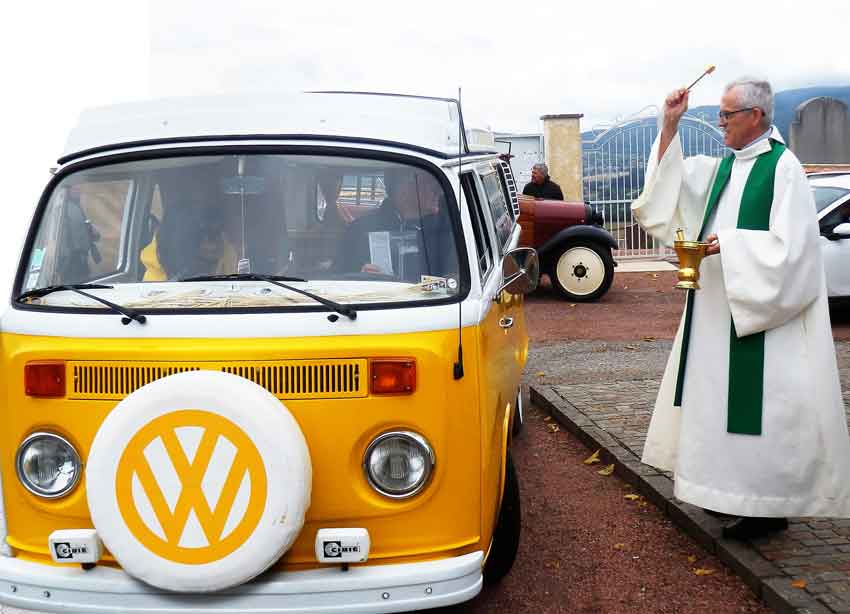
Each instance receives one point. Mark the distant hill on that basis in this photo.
(785, 105)
(615, 177)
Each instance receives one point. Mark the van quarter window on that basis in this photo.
(482, 237)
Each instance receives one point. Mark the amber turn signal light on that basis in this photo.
(392, 376)
(44, 379)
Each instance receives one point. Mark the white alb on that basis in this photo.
(770, 281)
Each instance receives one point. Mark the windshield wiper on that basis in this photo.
(128, 313)
(346, 310)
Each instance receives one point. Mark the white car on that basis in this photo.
(832, 198)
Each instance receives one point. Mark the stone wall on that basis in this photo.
(820, 132)
(562, 143)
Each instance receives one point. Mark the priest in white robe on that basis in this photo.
(749, 416)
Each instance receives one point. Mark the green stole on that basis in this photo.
(746, 354)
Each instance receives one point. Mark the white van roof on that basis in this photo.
(432, 124)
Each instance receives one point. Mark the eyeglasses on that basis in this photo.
(725, 115)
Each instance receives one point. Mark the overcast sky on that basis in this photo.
(514, 60)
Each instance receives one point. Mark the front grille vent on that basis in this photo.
(286, 379)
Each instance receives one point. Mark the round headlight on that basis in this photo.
(47, 465)
(398, 464)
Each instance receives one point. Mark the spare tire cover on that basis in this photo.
(198, 481)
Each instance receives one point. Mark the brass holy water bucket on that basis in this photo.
(690, 255)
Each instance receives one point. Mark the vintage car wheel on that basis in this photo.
(519, 416)
(508, 527)
(582, 271)
(198, 481)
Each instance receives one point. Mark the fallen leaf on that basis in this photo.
(625, 287)
(692, 559)
(799, 584)
(553, 427)
(631, 497)
(593, 458)
(571, 305)
(649, 339)
(607, 470)
(701, 571)
(547, 418)
(541, 373)
(619, 546)
(630, 346)
(655, 276)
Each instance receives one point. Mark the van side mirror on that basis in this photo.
(521, 271)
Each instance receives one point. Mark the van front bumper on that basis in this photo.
(374, 588)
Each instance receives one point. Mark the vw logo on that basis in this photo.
(191, 486)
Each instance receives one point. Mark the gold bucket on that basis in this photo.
(690, 255)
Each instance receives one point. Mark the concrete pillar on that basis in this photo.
(562, 144)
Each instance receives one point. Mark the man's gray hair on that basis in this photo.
(754, 92)
(541, 167)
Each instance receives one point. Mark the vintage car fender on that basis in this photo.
(198, 481)
(573, 233)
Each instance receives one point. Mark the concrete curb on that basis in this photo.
(766, 580)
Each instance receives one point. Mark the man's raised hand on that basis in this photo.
(675, 106)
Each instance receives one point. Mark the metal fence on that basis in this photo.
(614, 162)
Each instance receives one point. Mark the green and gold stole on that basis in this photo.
(746, 354)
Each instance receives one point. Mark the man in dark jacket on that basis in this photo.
(541, 186)
(416, 221)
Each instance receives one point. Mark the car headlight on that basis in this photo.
(398, 464)
(47, 465)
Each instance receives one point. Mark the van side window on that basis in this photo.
(502, 219)
(362, 190)
(479, 229)
(84, 238)
(104, 206)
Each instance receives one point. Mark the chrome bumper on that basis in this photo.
(375, 588)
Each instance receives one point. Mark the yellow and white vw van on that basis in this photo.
(263, 354)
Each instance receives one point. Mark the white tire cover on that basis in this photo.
(198, 481)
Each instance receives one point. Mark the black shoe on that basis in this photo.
(720, 515)
(751, 528)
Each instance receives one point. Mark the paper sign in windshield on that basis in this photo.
(379, 251)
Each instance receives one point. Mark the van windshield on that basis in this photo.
(353, 230)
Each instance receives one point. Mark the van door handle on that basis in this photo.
(506, 322)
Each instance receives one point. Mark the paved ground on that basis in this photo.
(591, 544)
(603, 388)
(638, 306)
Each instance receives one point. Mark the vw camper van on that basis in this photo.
(263, 353)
